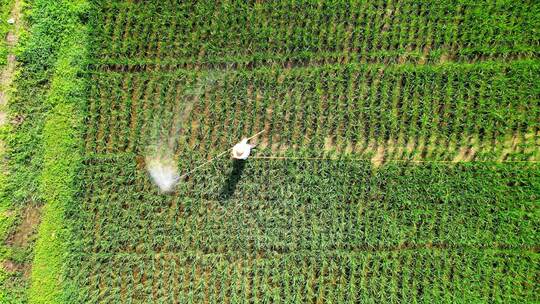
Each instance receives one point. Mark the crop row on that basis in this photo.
(431, 111)
(277, 206)
(390, 31)
(322, 277)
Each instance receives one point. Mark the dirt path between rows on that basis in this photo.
(6, 75)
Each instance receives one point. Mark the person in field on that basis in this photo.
(242, 149)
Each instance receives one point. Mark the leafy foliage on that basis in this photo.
(61, 143)
(409, 80)
(341, 108)
(338, 228)
(264, 32)
(5, 9)
(336, 85)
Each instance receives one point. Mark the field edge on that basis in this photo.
(61, 150)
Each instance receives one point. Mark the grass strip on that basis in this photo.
(61, 149)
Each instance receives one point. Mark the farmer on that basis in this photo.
(242, 149)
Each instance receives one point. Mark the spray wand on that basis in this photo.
(214, 158)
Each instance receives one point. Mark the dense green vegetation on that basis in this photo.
(61, 160)
(412, 80)
(419, 275)
(11, 284)
(341, 108)
(407, 134)
(335, 231)
(5, 9)
(347, 204)
(264, 32)
(42, 143)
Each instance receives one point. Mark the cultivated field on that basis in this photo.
(364, 86)
(400, 161)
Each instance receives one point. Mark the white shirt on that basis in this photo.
(241, 150)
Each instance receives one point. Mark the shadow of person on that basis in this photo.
(232, 181)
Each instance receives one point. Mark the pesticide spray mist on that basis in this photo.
(164, 140)
(163, 171)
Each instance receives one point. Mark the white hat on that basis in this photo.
(241, 150)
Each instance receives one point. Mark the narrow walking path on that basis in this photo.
(7, 72)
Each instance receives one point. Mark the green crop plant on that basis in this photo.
(281, 31)
(391, 104)
(453, 207)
